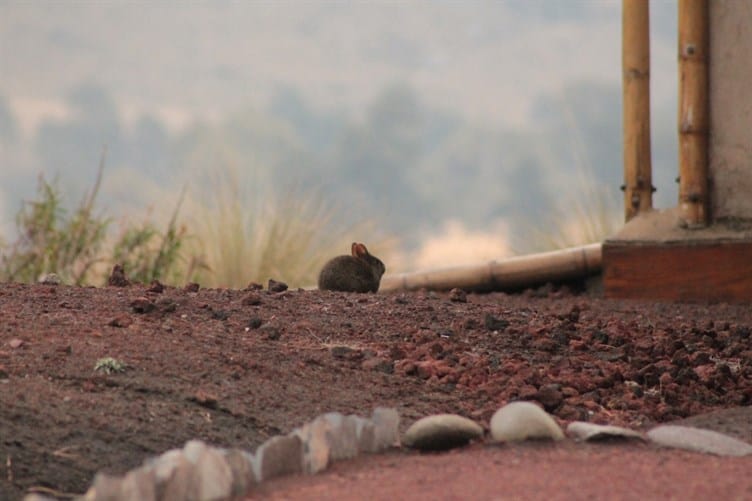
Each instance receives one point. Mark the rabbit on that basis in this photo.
(360, 272)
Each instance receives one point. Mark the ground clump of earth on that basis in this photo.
(235, 367)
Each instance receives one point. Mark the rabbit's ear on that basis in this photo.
(359, 250)
(354, 249)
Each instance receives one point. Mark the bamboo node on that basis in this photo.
(694, 198)
(635, 200)
(636, 74)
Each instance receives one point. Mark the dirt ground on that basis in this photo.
(234, 368)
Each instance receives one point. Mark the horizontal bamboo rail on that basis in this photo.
(513, 273)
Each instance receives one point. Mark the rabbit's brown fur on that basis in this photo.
(360, 272)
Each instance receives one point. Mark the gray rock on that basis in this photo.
(181, 481)
(163, 464)
(699, 440)
(315, 445)
(214, 475)
(279, 455)
(386, 428)
(242, 466)
(522, 421)
(277, 286)
(50, 279)
(341, 433)
(581, 430)
(193, 449)
(495, 324)
(138, 485)
(458, 295)
(104, 488)
(550, 396)
(270, 332)
(441, 432)
(365, 432)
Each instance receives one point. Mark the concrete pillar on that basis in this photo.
(730, 154)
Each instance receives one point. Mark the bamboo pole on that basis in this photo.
(694, 112)
(638, 183)
(512, 273)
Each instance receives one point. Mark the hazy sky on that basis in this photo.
(180, 59)
(488, 62)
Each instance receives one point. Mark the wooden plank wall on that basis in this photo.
(686, 271)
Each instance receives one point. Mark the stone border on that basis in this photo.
(202, 472)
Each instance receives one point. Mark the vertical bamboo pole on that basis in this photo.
(638, 185)
(694, 112)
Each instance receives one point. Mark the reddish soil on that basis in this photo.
(565, 471)
(215, 366)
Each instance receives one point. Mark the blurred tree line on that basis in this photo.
(405, 164)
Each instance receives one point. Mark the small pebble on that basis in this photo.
(220, 314)
(251, 299)
(117, 278)
(270, 332)
(205, 398)
(156, 287)
(142, 305)
(346, 353)
(495, 324)
(166, 305)
(550, 396)
(276, 286)
(401, 299)
(120, 321)
(50, 279)
(458, 295)
(379, 365)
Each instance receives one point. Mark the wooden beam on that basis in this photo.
(681, 271)
(694, 112)
(638, 185)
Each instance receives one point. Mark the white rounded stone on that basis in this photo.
(699, 440)
(441, 432)
(589, 431)
(518, 421)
